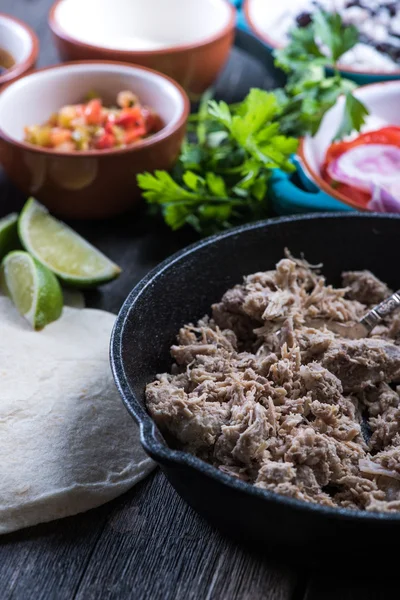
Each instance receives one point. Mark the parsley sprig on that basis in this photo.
(222, 178)
(309, 92)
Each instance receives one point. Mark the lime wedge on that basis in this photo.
(62, 250)
(33, 288)
(9, 234)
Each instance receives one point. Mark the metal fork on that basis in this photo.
(373, 318)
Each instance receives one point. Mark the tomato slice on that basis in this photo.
(386, 135)
(359, 196)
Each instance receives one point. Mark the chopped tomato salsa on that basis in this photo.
(92, 126)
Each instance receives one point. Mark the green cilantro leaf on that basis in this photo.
(301, 49)
(221, 179)
(216, 185)
(329, 29)
(353, 117)
(160, 188)
(221, 112)
(222, 175)
(310, 92)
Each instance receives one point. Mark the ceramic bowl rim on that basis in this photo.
(20, 67)
(166, 132)
(321, 183)
(60, 32)
(165, 455)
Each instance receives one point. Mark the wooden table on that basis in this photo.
(147, 545)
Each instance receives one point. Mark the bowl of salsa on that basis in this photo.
(76, 135)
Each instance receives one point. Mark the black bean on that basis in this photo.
(303, 19)
(392, 8)
(351, 3)
(389, 49)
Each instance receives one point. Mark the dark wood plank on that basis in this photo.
(148, 543)
(48, 561)
(186, 559)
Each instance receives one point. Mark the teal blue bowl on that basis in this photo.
(364, 78)
(294, 194)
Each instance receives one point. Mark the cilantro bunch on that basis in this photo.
(309, 92)
(221, 179)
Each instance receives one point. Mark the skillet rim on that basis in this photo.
(164, 455)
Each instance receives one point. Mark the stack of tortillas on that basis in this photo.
(67, 443)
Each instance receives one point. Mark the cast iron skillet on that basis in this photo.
(181, 290)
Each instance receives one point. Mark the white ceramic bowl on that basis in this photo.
(142, 24)
(20, 41)
(382, 101)
(188, 40)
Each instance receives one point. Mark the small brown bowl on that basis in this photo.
(18, 40)
(95, 183)
(187, 40)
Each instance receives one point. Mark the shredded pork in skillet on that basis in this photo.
(263, 396)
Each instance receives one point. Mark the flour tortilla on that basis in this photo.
(67, 443)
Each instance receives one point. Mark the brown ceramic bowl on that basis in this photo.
(95, 183)
(18, 40)
(188, 40)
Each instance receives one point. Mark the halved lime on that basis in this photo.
(62, 250)
(33, 288)
(9, 234)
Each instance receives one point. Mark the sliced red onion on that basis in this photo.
(385, 198)
(367, 165)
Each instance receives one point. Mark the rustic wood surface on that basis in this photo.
(148, 545)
